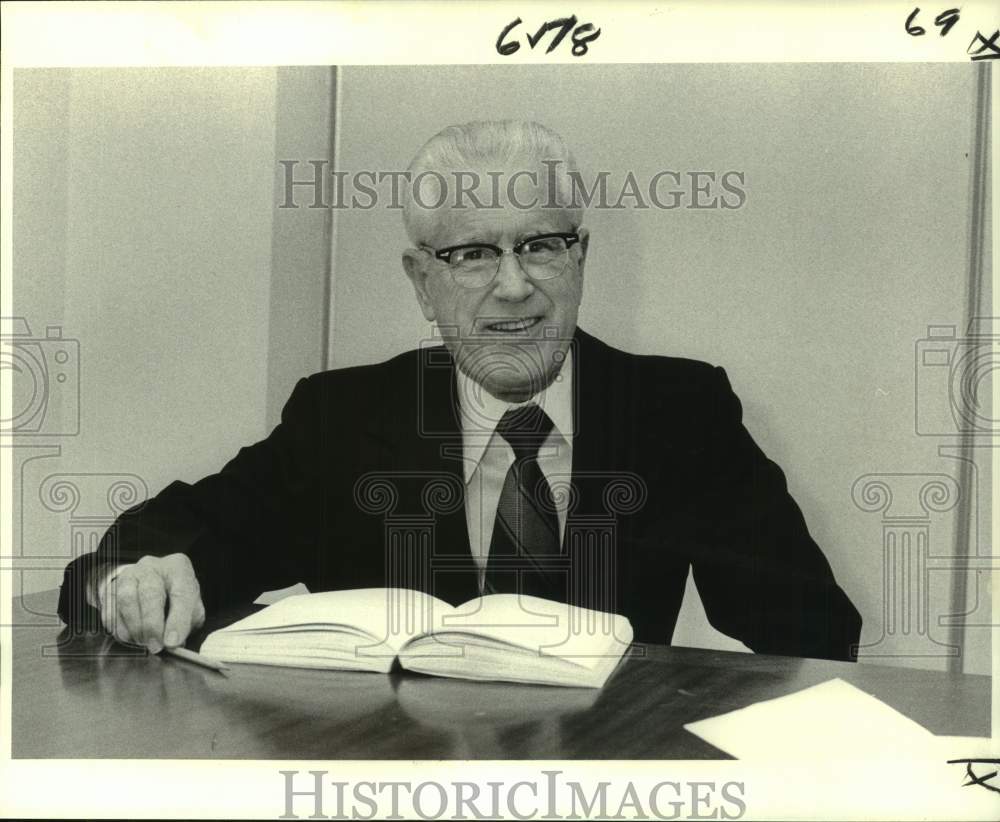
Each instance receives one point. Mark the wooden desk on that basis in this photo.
(85, 696)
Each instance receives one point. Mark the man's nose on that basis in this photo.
(512, 283)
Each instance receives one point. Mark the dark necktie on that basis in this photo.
(526, 530)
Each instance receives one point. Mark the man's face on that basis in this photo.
(512, 334)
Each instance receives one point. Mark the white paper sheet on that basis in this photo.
(833, 720)
(875, 751)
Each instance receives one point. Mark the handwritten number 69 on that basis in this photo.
(945, 20)
(582, 35)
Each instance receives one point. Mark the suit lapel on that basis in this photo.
(588, 408)
(428, 463)
(603, 448)
(597, 438)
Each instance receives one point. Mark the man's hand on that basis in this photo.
(155, 602)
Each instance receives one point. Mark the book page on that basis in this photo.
(387, 616)
(539, 626)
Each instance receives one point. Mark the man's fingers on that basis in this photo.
(128, 605)
(152, 597)
(133, 602)
(113, 622)
(199, 615)
(121, 608)
(120, 631)
(185, 608)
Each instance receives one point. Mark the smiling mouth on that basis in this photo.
(512, 326)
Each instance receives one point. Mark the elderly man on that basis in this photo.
(522, 456)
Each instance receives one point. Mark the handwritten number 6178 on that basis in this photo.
(582, 35)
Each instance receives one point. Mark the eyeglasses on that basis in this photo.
(475, 265)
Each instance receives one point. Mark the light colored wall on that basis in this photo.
(145, 227)
(300, 249)
(853, 239)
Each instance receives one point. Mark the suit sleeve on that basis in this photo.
(231, 524)
(761, 577)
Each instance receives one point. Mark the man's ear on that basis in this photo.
(414, 264)
(584, 235)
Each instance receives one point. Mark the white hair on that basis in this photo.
(490, 142)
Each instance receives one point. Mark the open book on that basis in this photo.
(498, 637)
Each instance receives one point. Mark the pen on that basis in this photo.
(197, 659)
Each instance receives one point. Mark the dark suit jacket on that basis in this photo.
(360, 485)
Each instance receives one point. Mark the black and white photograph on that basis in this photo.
(388, 430)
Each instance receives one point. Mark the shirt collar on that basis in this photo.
(480, 412)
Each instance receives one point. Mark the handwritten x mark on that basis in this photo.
(990, 47)
(975, 779)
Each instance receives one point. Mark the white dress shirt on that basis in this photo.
(487, 457)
